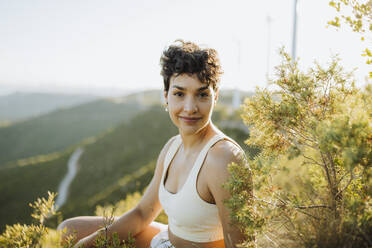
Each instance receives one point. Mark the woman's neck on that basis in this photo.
(193, 141)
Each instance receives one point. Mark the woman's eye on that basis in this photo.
(203, 94)
(178, 94)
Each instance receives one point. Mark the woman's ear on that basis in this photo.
(165, 97)
(216, 95)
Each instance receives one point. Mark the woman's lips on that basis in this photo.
(190, 119)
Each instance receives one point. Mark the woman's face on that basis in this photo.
(190, 103)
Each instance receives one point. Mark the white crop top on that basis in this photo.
(189, 216)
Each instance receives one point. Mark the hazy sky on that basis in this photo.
(115, 45)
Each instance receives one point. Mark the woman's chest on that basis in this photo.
(182, 171)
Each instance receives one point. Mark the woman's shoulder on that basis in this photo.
(223, 153)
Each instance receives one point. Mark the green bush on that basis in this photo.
(312, 178)
(40, 236)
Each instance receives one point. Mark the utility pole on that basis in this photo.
(236, 93)
(294, 33)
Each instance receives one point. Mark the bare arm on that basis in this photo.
(135, 220)
(218, 159)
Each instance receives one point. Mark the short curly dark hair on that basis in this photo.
(188, 57)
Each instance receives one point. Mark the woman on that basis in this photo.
(191, 167)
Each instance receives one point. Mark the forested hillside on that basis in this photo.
(23, 184)
(121, 162)
(58, 130)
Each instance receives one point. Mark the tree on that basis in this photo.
(312, 179)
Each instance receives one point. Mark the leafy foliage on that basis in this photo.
(34, 235)
(113, 241)
(241, 204)
(43, 208)
(122, 206)
(40, 236)
(312, 177)
(359, 20)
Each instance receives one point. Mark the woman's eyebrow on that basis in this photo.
(178, 87)
(181, 88)
(203, 88)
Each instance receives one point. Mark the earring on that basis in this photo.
(166, 107)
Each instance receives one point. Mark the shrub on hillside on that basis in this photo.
(122, 206)
(34, 235)
(312, 179)
(40, 236)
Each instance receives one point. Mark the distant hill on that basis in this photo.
(59, 129)
(20, 106)
(119, 161)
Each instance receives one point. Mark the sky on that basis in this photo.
(114, 46)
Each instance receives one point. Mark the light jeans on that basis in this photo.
(161, 240)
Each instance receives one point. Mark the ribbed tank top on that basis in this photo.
(190, 217)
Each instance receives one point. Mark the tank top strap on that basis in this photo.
(201, 157)
(171, 151)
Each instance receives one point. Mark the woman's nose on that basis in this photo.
(190, 105)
